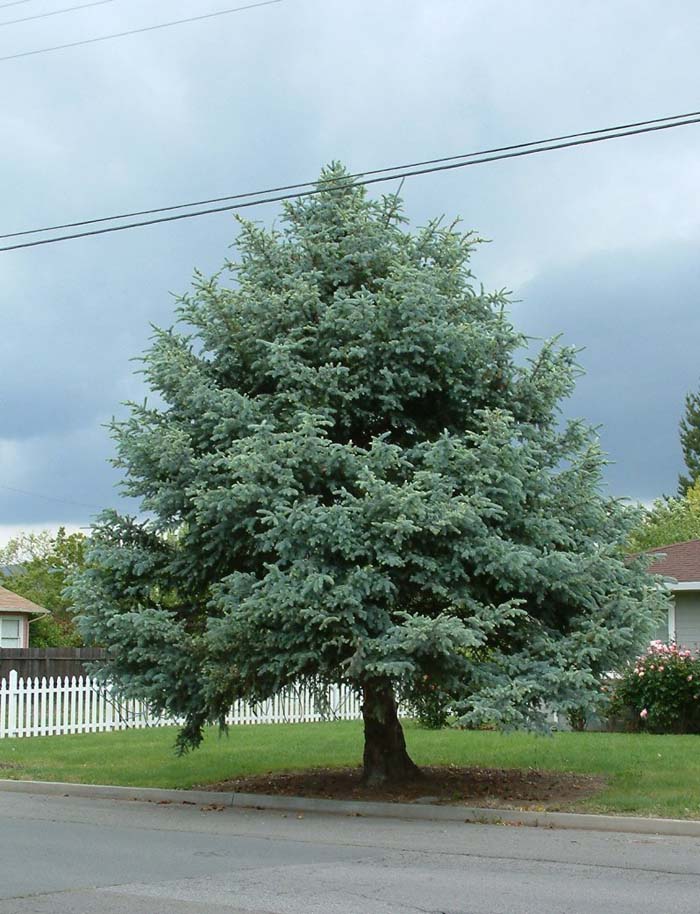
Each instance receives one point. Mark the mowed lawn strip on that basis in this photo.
(646, 775)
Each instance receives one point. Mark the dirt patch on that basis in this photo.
(523, 788)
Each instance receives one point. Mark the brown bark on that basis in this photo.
(385, 758)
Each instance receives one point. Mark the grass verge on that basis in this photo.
(645, 775)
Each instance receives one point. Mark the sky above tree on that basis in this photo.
(598, 244)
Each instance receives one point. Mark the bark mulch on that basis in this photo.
(524, 788)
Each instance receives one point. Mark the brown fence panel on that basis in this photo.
(47, 661)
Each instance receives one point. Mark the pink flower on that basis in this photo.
(661, 668)
(690, 678)
(644, 714)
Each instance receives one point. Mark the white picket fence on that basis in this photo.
(49, 707)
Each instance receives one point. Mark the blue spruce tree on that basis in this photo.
(350, 474)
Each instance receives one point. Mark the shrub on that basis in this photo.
(428, 705)
(50, 631)
(660, 692)
(577, 719)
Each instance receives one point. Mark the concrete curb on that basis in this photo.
(109, 792)
(408, 811)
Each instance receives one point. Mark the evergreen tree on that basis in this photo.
(350, 475)
(690, 442)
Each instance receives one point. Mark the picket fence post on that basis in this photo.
(12, 703)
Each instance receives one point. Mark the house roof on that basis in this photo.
(677, 560)
(12, 602)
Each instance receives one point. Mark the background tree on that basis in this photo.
(690, 442)
(350, 474)
(669, 520)
(36, 566)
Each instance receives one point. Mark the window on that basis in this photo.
(10, 631)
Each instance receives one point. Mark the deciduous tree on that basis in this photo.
(36, 566)
(669, 520)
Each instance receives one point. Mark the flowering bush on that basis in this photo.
(660, 692)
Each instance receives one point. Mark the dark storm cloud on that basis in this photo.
(269, 96)
(637, 315)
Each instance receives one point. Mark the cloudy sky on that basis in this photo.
(597, 243)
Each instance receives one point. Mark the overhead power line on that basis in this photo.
(67, 9)
(399, 171)
(363, 174)
(14, 3)
(147, 28)
(64, 501)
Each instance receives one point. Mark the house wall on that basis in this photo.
(664, 632)
(687, 618)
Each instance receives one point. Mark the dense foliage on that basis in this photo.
(660, 692)
(350, 472)
(430, 706)
(690, 442)
(37, 566)
(669, 520)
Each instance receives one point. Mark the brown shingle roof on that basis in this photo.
(13, 602)
(680, 561)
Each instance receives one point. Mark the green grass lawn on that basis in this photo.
(646, 775)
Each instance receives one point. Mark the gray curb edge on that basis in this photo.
(408, 811)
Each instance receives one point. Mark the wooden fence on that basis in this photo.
(47, 661)
(60, 705)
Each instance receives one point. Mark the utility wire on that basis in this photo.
(325, 186)
(67, 9)
(65, 501)
(147, 28)
(14, 3)
(363, 174)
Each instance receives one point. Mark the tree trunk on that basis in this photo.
(385, 757)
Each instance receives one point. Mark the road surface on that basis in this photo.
(75, 856)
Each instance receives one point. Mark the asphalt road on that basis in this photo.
(73, 856)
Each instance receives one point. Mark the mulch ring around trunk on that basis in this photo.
(469, 786)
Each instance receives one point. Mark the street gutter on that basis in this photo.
(417, 811)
